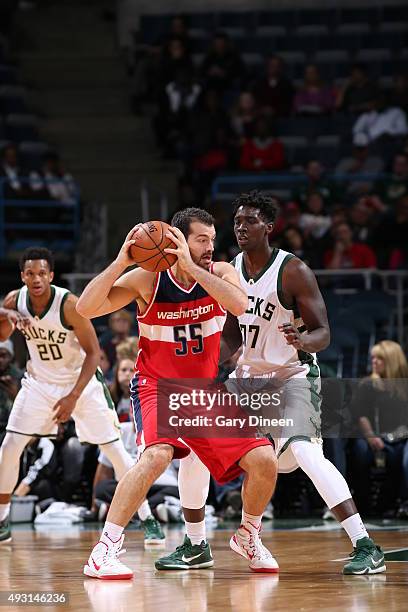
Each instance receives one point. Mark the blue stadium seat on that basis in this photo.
(32, 154)
(21, 127)
(238, 19)
(7, 75)
(12, 99)
(288, 18)
(360, 15)
(204, 21)
(313, 16)
(395, 13)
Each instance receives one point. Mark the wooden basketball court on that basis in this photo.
(310, 576)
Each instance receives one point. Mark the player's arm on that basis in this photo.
(300, 287)
(231, 338)
(10, 318)
(111, 289)
(86, 335)
(223, 285)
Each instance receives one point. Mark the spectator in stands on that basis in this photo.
(10, 381)
(314, 221)
(394, 187)
(150, 63)
(274, 92)
(244, 115)
(204, 125)
(314, 98)
(120, 389)
(120, 325)
(390, 238)
(358, 93)
(363, 218)
(399, 93)
(315, 183)
(175, 60)
(346, 253)
(263, 151)
(14, 187)
(39, 467)
(289, 216)
(222, 68)
(105, 366)
(360, 162)
(294, 241)
(53, 179)
(380, 405)
(381, 120)
(177, 103)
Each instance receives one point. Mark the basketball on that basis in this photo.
(148, 250)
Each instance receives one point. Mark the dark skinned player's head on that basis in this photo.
(37, 270)
(254, 218)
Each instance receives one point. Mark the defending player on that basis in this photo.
(62, 379)
(282, 329)
(199, 292)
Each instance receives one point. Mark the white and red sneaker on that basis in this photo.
(247, 543)
(104, 564)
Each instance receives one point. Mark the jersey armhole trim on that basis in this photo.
(17, 298)
(153, 296)
(62, 316)
(279, 282)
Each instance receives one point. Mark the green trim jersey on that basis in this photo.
(55, 353)
(265, 351)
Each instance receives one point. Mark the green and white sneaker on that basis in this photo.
(5, 533)
(367, 558)
(153, 533)
(187, 556)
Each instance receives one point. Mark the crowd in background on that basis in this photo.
(219, 115)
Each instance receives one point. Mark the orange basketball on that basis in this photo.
(148, 250)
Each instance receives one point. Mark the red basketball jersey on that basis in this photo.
(179, 333)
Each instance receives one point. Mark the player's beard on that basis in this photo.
(204, 261)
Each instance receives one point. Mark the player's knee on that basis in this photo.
(262, 459)
(159, 456)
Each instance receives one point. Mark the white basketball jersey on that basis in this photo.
(55, 353)
(265, 351)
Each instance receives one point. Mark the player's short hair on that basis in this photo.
(268, 204)
(37, 253)
(183, 219)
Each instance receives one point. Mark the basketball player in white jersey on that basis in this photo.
(281, 331)
(62, 378)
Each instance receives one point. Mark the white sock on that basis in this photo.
(111, 533)
(253, 520)
(355, 528)
(4, 511)
(196, 532)
(144, 511)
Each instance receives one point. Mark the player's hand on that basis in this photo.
(123, 257)
(14, 317)
(64, 408)
(22, 490)
(376, 444)
(292, 336)
(182, 251)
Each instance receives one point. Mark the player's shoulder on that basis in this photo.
(136, 275)
(219, 268)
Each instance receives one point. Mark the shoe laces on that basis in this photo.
(255, 546)
(113, 552)
(362, 552)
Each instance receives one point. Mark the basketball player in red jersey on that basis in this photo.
(201, 292)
